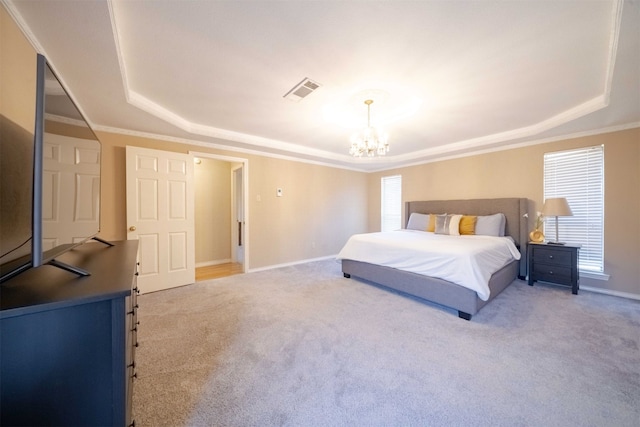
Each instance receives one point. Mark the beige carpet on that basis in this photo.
(302, 346)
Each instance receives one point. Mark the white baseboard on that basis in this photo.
(289, 264)
(214, 262)
(627, 295)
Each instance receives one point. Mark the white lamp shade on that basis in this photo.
(556, 207)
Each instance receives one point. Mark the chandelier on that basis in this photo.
(369, 141)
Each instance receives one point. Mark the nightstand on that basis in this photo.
(555, 264)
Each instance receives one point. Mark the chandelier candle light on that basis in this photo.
(369, 141)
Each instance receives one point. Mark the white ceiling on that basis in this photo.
(490, 74)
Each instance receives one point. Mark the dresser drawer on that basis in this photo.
(552, 256)
(552, 273)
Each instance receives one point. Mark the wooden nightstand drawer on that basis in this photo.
(553, 273)
(552, 256)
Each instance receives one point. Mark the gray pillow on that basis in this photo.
(418, 221)
(491, 225)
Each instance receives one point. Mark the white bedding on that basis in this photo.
(468, 261)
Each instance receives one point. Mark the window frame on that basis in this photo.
(391, 203)
(578, 175)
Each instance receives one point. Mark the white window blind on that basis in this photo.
(578, 175)
(391, 203)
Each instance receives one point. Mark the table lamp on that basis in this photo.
(556, 207)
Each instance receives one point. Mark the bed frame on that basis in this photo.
(441, 291)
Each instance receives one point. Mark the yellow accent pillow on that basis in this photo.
(432, 223)
(468, 224)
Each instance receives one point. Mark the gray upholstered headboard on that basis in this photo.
(513, 208)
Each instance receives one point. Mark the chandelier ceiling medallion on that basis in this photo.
(369, 141)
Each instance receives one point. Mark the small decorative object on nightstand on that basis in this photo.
(536, 235)
(555, 264)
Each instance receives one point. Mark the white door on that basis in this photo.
(160, 214)
(70, 216)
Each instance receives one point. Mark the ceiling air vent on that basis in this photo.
(301, 90)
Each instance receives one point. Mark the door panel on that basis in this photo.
(177, 250)
(148, 255)
(147, 203)
(177, 200)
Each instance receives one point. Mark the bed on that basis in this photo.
(466, 301)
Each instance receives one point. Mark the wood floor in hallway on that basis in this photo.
(217, 271)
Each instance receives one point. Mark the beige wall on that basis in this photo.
(66, 129)
(212, 211)
(17, 118)
(320, 207)
(17, 74)
(518, 173)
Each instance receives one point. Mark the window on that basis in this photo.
(391, 203)
(578, 175)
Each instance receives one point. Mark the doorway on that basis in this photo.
(237, 214)
(220, 227)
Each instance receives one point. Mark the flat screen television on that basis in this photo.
(49, 181)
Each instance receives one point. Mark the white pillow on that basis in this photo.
(491, 225)
(418, 221)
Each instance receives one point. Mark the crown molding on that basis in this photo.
(391, 162)
(223, 147)
(516, 145)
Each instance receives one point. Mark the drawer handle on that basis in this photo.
(550, 256)
(551, 272)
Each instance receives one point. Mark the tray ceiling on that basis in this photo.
(486, 74)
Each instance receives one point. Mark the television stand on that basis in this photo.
(70, 268)
(77, 270)
(98, 239)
